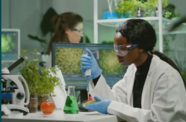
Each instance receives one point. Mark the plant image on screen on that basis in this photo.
(69, 59)
(7, 44)
(108, 62)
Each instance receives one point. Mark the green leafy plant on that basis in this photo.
(107, 42)
(47, 82)
(131, 6)
(169, 12)
(154, 3)
(39, 83)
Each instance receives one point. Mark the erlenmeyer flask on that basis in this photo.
(71, 106)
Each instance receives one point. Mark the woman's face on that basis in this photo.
(74, 36)
(129, 58)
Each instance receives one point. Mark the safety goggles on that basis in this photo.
(79, 31)
(123, 50)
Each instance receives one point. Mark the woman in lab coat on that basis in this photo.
(68, 29)
(152, 89)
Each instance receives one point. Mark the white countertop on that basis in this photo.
(59, 116)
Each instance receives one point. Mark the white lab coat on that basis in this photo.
(163, 96)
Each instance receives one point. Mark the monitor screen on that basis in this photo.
(67, 56)
(10, 45)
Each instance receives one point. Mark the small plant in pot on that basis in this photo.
(47, 84)
(40, 82)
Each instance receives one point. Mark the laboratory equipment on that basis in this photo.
(100, 105)
(5, 110)
(87, 74)
(17, 95)
(123, 50)
(89, 101)
(82, 106)
(10, 45)
(44, 57)
(71, 106)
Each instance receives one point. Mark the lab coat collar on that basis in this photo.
(145, 94)
(154, 62)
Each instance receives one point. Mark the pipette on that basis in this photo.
(87, 75)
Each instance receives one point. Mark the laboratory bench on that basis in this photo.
(59, 116)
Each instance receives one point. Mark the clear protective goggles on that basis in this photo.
(123, 50)
(79, 31)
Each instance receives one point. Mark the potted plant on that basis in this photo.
(40, 82)
(47, 84)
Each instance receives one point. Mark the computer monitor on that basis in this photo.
(68, 57)
(10, 45)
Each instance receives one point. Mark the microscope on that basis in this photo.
(17, 95)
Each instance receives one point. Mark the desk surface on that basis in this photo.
(59, 116)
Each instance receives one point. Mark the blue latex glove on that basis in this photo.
(100, 106)
(89, 62)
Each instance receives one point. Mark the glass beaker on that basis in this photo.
(71, 106)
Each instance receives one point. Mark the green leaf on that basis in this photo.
(35, 50)
(24, 51)
(37, 39)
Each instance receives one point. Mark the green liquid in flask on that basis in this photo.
(71, 106)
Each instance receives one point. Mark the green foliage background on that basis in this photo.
(7, 45)
(132, 6)
(108, 62)
(69, 60)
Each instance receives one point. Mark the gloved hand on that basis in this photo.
(100, 106)
(89, 62)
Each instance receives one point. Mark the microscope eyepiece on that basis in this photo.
(10, 68)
